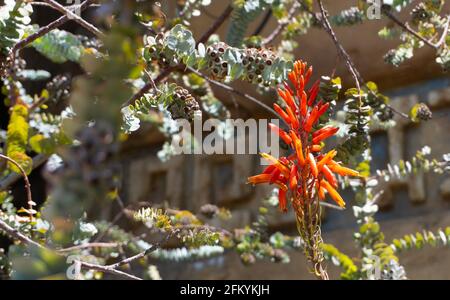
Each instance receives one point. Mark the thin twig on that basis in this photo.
(231, 89)
(444, 33)
(75, 17)
(30, 201)
(12, 178)
(142, 254)
(87, 246)
(162, 76)
(220, 20)
(406, 27)
(148, 86)
(348, 61)
(263, 23)
(46, 29)
(17, 235)
(107, 269)
(281, 25)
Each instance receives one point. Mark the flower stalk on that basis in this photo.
(306, 175)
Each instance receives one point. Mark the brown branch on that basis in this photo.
(282, 25)
(444, 33)
(87, 246)
(142, 254)
(75, 17)
(220, 20)
(17, 235)
(343, 54)
(162, 76)
(30, 201)
(263, 23)
(406, 28)
(46, 29)
(12, 178)
(107, 269)
(231, 89)
(148, 86)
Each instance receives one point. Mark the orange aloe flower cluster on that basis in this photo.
(307, 172)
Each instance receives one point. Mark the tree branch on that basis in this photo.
(406, 28)
(12, 178)
(220, 20)
(30, 201)
(263, 23)
(88, 245)
(204, 38)
(231, 89)
(281, 25)
(46, 29)
(75, 17)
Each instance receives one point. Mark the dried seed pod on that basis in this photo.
(59, 87)
(184, 105)
(423, 112)
(217, 66)
(209, 210)
(420, 13)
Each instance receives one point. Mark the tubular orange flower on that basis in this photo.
(343, 171)
(277, 164)
(293, 177)
(303, 103)
(316, 148)
(286, 138)
(328, 157)
(282, 113)
(275, 175)
(298, 148)
(282, 200)
(333, 193)
(313, 93)
(329, 176)
(324, 135)
(313, 165)
(261, 178)
(305, 176)
(294, 121)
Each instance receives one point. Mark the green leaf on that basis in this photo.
(59, 46)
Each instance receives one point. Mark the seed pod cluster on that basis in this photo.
(59, 88)
(217, 66)
(378, 104)
(184, 105)
(89, 42)
(256, 63)
(386, 114)
(423, 112)
(420, 14)
(10, 66)
(209, 210)
(158, 52)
